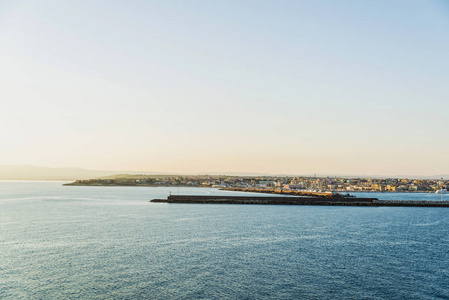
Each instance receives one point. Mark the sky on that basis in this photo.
(270, 87)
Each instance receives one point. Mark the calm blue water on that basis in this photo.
(110, 243)
(403, 196)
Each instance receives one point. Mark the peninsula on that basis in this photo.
(273, 184)
(279, 190)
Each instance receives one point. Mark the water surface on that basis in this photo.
(110, 243)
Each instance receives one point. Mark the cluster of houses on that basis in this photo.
(321, 184)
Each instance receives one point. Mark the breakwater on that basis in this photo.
(296, 200)
(267, 200)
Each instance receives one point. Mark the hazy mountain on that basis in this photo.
(30, 172)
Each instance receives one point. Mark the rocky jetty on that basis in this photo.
(276, 200)
(297, 200)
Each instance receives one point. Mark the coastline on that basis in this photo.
(241, 189)
(134, 185)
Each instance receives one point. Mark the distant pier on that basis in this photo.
(337, 200)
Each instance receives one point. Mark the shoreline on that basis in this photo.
(300, 192)
(240, 189)
(136, 185)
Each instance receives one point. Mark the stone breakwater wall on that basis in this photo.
(266, 200)
(411, 203)
(270, 200)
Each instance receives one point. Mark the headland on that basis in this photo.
(274, 184)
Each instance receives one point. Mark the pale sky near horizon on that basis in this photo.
(297, 87)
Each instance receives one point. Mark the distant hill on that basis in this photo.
(30, 172)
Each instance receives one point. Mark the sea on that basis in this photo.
(75, 242)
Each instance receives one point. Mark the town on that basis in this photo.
(310, 184)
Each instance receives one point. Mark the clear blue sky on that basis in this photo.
(298, 87)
